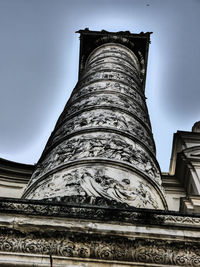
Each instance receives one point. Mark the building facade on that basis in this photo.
(97, 196)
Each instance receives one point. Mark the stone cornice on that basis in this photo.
(15, 172)
(97, 209)
(106, 232)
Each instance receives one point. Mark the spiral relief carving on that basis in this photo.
(112, 75)
(108, 100)
(103, 86)
(105, 120)
(103, 146)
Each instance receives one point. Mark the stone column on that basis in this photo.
(102, 148)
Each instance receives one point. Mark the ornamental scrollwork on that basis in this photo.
(97, 246)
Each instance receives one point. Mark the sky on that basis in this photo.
(39, 54)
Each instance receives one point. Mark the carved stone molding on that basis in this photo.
(82, 207)
(101, 247)
(118, 37)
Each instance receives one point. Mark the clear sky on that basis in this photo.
(39, 54)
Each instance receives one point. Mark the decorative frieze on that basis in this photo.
(105, 146)
(104, 118)
(107, 248)
(116, 51)
(27, 235)
(111, 75)
(109, 100)
(109, 86)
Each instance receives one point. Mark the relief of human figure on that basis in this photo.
(99, 184)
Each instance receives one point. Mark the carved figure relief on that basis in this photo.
(95, 182)
(112, 66)
(106, 64)
(109, 100)
(110, 86)
(115, 52)
(114, 60)
(111, 48)
(111, 75)
(104, 118)
(110, 146)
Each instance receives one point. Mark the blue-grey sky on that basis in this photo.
(39, 54)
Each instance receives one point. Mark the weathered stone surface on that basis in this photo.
(104, 248)
(91, 234)
(110, 182)
(107, 119)
(102, 145)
